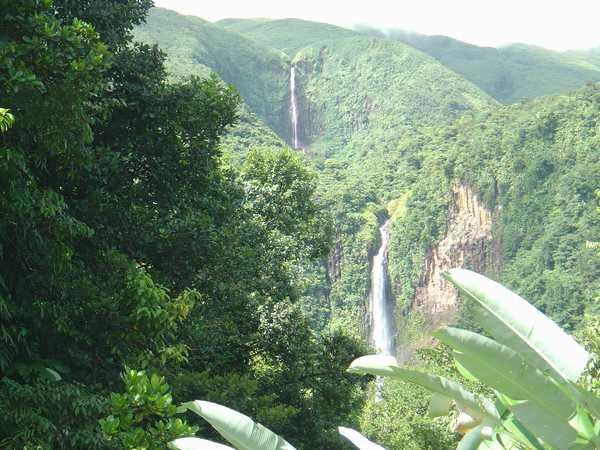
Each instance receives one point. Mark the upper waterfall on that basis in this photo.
(294, 107)
(382, 329)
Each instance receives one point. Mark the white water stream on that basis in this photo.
(382, 329)
(294, 107)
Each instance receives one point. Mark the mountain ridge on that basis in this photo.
(509, 73)
(197, 47)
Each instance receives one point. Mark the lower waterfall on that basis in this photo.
(382, 328)
(294, 108)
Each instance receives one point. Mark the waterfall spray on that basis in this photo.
(294, 107)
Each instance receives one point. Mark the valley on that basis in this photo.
(386, 127)
(234, 211)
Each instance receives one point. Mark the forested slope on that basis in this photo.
(195, 46)
(363, 102)
(511, 73)
(385, 125)
(157, 230)
(287, 35)
(535, 166)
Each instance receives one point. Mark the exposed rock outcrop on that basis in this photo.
(468, 243)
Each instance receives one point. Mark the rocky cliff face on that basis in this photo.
(310, 124)
(468, 243)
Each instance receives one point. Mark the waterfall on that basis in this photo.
(382, 329)
(294, 107)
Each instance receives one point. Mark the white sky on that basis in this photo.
(555, 24)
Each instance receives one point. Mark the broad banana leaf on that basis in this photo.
(503, 369)
(361, 442)
(51, 374)
(494, 444)
(520, 433)
(240, 430)
(587, 399)
(380, 365)
(553, 431)
(491, 445)
(439, 405)
(464, 372)
(465, 423)
(474, 438)
(192, 443)
(584, 425)
(475, 406)
(517, 324)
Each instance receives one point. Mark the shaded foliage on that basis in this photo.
(126, 240)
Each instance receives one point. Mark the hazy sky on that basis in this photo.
(556, 24)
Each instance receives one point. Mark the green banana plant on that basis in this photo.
(240, 430)
(532, 365)
(192, 443)
(359, 441)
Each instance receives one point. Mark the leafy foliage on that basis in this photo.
(237, 428)
(6, 119)
(144, 416)
(140, 223)
(532, 365)
(41, 413)
(401, 420)
(511, 73)
(126, 240)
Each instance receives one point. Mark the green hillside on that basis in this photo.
(509, 74)
(536, 165)
(287, 35)
(353, 86)
(349, 82)
(248, 132)
(378, 118)
(589, 57)
(195, 46)
(363, 104)
(240, 25)
(161, 243)
(359, 97)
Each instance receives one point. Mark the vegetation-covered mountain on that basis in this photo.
(509, 74)
(160, 242)
(287, 35)
(195, 46)
(535, 166)
(378, 119)
(362, 102)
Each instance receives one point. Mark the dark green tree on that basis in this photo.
(125, 239)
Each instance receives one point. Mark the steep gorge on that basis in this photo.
(378, 119)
